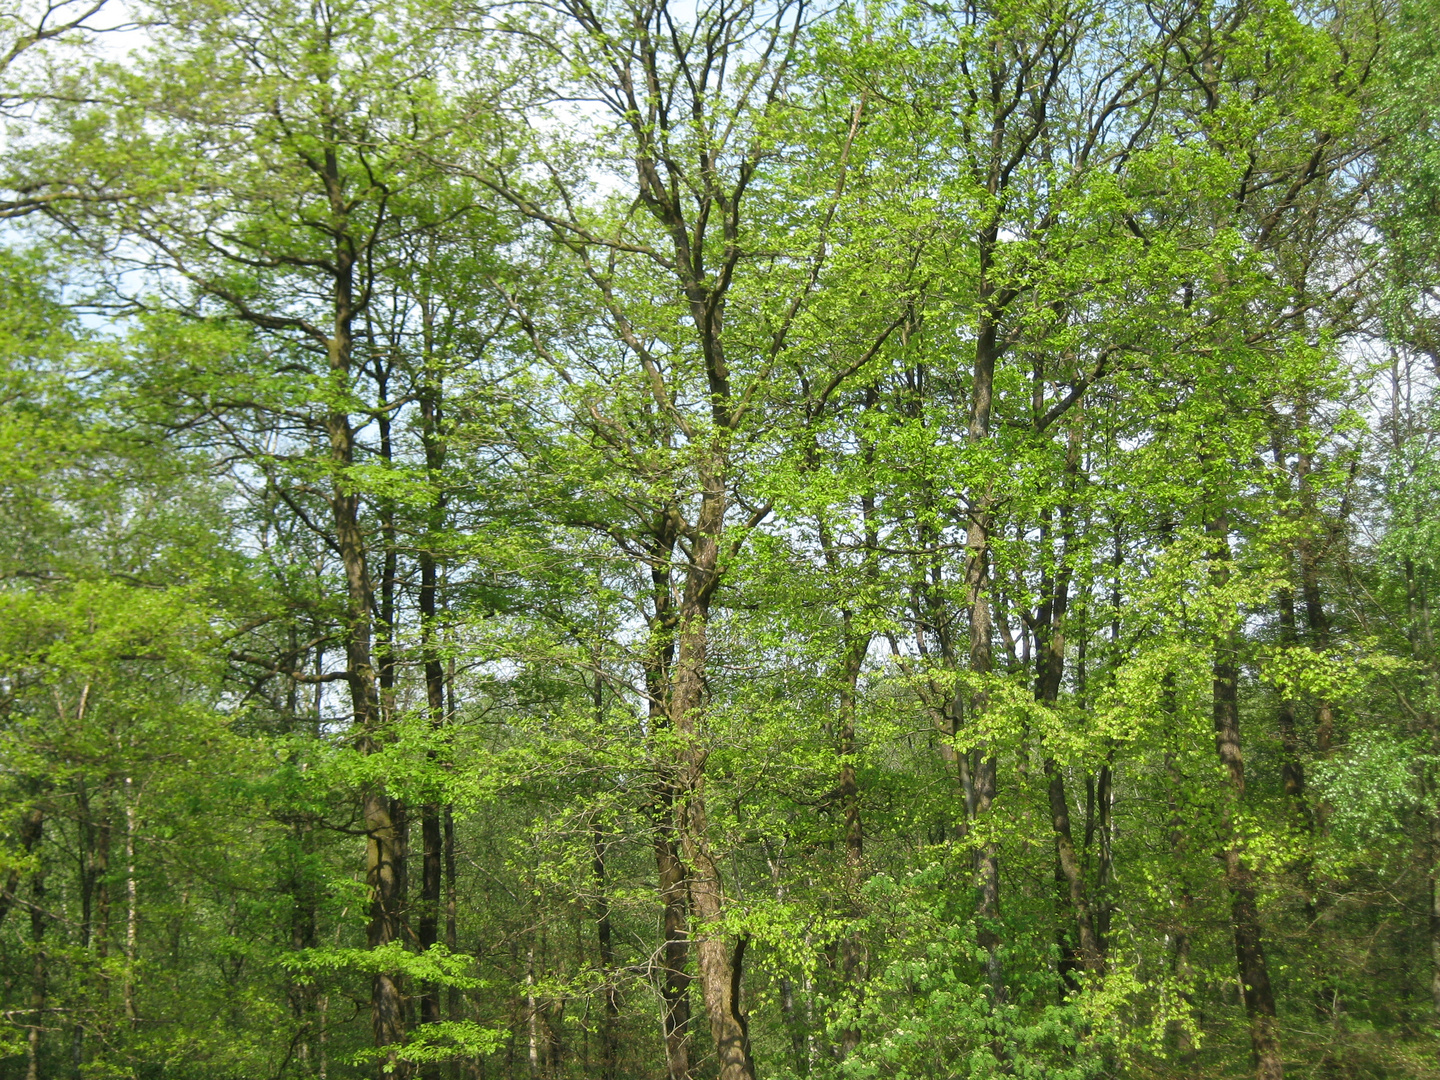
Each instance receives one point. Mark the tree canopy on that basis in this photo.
(621, 540)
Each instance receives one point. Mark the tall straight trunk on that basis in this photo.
(1292, 775)
(432, 814)
(852, 949)
(303, 935)
(1239, 878)
(1292, 769)
(532, 1010)
(1049, 632)
(104, 831)
(132, 905)
(431, 888)
(384, 856)
(454, 1000)
(384, 869)
(432, 874)
(719, 960)
(669, 866)
(610, 1019)
(1311, 552)
(856, 644)
(384, 657)
(675, 989)
(977, 601)
(39, 975)
(1180, 969)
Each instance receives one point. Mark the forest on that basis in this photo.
(719, 539)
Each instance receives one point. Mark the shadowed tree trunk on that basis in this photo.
(1239, 878)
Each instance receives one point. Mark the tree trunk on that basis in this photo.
(431, 813)
(852, 949)
(977, 599)
(670, 869)
(1180, 969)
(532, 1010)
(718, 959)
(1049, 632)
(384, 863)
(1239, 879)
(1317, 621)
(38, 976)
(303, 903)
(610, 1020)
(132, 906)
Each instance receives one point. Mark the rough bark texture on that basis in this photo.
(718, 958)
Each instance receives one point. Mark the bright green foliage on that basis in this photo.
(1011, 427)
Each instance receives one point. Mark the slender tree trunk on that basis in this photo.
(670, 868)
(1239, 879)
(431, 813)
(433, 816)
(852, 949)
(795, 1025)
(103, 832)
(675, 990)
(384, 860)
(39, 974)
(532, 1009)
(383, 657)
(1180, 969)
(610, 1019)
(453, 1003)
(1317, 621)
(1292, 769)
(1433, 812)
(1050, 670)
(977, 599)
(1105, 859)
(719, 960)
(132, 906)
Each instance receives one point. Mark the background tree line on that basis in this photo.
(719, 541)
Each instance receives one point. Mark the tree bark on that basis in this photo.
(384, 860)
(718, 958)
(132, 905)
(1310, 555)
(39, 974)
(1239, 879)
(670, 869)
(852, 949)
(610, 1019)
(1180, 969)
(1049, 630)
(977, 600)
(431, 812)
